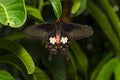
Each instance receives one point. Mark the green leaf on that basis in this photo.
(16, 36)
(20, 52)
(15, 61)
(34, 12)
(111, 15)
(100, 65)
(56, 66)
(56, 4)
(107, 70)
(72, 68)
(12, 12)
(104, 23)
(4, 75)
(40, 75)
(78, 7)
(81, 58)
(117, 70)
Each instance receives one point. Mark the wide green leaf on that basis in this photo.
(117, 70)
(100, 65)
(111, 15)
(56, 4)
(104, 23)
(78, 7)
(12, 12)
(81, 58)
(16, 36)
(40, 75)
(107, 70)
(34, 12)
(20, 52)
(15, 61)
(72, 68)
(56, 66)
(4, 75)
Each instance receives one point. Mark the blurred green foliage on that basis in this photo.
(95, 58)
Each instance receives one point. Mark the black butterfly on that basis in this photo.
(58, 35)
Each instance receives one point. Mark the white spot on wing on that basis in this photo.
(52, 40)
(64, 40)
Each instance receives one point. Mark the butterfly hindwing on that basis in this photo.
(77, 31)
(40, 31)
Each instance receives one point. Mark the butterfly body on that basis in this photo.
(59, 35)
(57, 40)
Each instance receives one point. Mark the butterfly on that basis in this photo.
(58, 35)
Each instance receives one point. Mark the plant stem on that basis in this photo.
(40, 7)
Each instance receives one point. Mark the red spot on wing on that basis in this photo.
(57, 39)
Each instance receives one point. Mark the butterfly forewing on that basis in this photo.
(40, 31)
(77, 31)
(74, 31)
